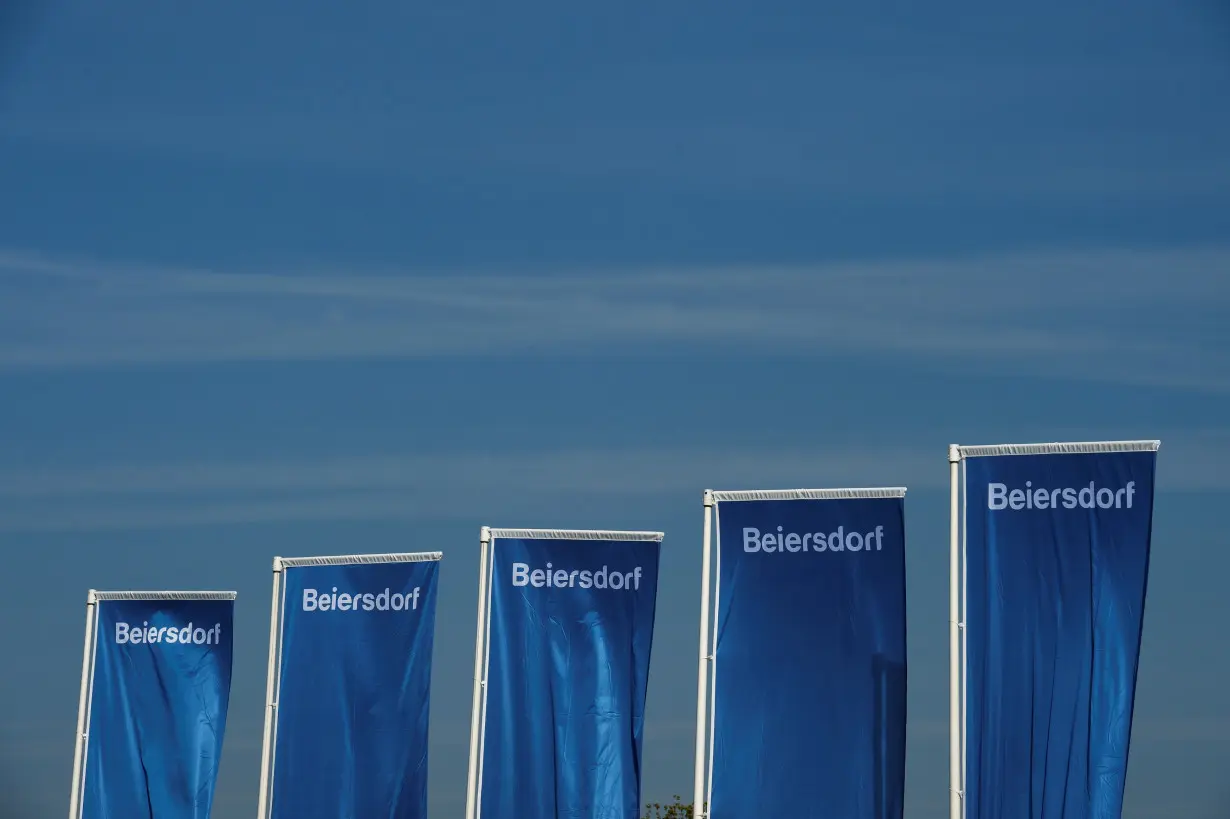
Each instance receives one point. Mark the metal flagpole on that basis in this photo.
(479, 682)
(91, 623)
(271, 705)
(699, 809)
(955, 795)
(716, 596)
(486, 691)
(964, 733)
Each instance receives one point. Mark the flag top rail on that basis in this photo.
(1075, 448)
(101, 596)
(807, 494)
(345, 560)
(571, 534)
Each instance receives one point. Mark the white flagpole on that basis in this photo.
(91, 624)
(964, 634)
(955, 795)
(479, 682)
(271, 705)
(699, 809)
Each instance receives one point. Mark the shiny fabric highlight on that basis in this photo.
(809, 681)
(352, 722)
(567, 679)
(1054, 618)
(158, 712)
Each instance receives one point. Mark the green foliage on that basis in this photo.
(670, 810)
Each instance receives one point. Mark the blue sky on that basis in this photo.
(327, 278)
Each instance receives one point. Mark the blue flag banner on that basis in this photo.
(1056, 553)
(350, 683)
(156, 684)
(808, 703)
(569, 618)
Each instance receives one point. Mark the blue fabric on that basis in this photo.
(569, 665)
(810, 669)
(158, 708)
(1056, 600)
(352, 713)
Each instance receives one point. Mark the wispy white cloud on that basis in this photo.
(1136, 316)
(446, 486)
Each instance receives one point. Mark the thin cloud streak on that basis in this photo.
(455, 486)
(585, 471)
(1129, 316)
(442, 487)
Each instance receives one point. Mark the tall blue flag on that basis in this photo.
(570, 620)
(155, 691)
(1057, 541)
(809, 659)
(350, 688)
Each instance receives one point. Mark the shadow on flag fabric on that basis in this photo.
(159, 689)
(809, 671)
(353, 687)
(571, 620)
(1057, 565)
